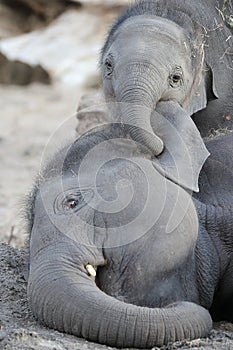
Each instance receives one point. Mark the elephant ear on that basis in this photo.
(202, 92)
(185, 152)
(203, 88)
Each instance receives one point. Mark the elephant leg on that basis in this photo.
(222, 308)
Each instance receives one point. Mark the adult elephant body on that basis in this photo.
(160, 263)
(162, 50)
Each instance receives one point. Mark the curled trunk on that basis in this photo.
(138, 96)
(63, 296)
(137, 121)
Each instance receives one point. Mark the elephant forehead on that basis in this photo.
(153, 26)
(96, 172)
(136, 173)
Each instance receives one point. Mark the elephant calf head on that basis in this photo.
(112, 247)
(155, 52)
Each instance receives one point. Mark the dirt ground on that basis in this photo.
(29, 117)
(19, 330)
(35, 120)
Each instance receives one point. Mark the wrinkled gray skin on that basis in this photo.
(161, 263)
(165, 50)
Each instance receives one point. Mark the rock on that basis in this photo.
(68, 49)
(46, 10)
(103, 3)
(20, 73)
(22, 16)
(10, 22)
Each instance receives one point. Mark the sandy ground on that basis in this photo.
(19, 330)
(29, 117)
(34, 120)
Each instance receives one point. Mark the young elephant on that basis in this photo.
(162, 50)
(117, 254)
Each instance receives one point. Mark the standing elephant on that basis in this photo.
(162, 50)
(120, 253)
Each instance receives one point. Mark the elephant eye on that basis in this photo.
(72, 201)
(109, 66)
(176, 77)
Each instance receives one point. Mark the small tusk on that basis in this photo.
(90, 269)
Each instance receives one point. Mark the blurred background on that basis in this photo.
(49, 51)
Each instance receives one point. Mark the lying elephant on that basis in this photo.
(120, 254)
(161, 50)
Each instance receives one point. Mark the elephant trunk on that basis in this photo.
(137, 122)
(63, 296)
(138, 98)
